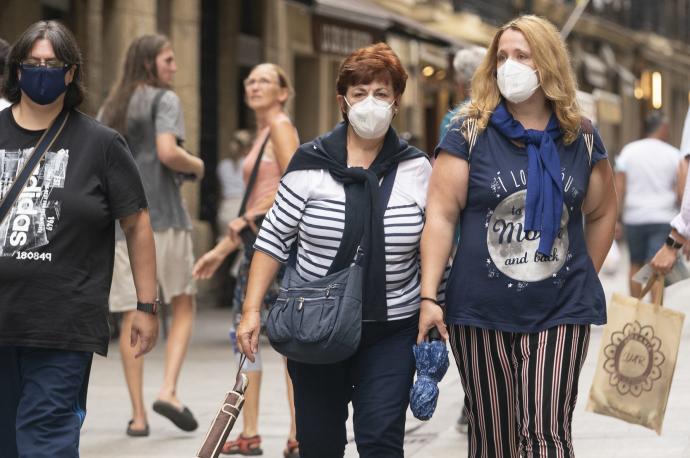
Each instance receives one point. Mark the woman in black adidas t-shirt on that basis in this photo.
(56, 247)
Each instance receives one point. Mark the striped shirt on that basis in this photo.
(312, 204)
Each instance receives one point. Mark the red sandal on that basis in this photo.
(246, 446)
(292, 449)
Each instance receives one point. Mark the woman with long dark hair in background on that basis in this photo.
(144, 108)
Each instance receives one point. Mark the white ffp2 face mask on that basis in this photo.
(517, 82)
(370, 118)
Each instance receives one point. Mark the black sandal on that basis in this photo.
(183, 419)
(131, 432)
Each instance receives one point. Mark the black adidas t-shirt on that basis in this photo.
(57, 242)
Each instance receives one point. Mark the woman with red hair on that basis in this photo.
(326, 207)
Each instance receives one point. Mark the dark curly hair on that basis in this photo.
(66, 50)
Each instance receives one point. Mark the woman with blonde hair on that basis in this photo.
(523, 170)
(267, 90)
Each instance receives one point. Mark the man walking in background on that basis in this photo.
(647, 180)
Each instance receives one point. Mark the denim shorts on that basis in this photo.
(644, 240)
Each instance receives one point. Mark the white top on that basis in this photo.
(681, 222)
(312, 203)
(650, 168)
(685, 141)
(230, 177)
(4, 103)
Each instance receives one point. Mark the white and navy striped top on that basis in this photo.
(312, 203)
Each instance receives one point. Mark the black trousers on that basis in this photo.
(376, 379)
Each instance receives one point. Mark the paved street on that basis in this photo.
(209, 372)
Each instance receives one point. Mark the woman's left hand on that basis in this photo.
(430, 316)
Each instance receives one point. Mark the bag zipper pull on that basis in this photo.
(301, 303)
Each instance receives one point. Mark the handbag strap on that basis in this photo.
(252, 177)
(656, 285)
(385, 191)
(44, 143)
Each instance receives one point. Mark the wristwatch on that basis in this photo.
(670, 241)
(148, 307)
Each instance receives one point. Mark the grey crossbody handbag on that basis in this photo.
(320, 321)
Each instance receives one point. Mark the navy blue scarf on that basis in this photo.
(363, 213)
(544, 202)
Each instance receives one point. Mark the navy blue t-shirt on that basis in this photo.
(497, 280)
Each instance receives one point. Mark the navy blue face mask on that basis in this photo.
(43, 85)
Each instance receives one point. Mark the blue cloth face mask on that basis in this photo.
(43, 85)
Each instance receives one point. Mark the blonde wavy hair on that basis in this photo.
(550, 55)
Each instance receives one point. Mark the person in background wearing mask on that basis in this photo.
(57, 250)
(143, 108)
(4, 50)
(522, 169)
(465, 63)
(322, 208)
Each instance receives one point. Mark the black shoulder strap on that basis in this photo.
(386, 188)
(44, 143)
(252, 177)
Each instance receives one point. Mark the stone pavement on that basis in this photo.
(209, 372)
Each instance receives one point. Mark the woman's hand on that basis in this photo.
(208, 263)
(664, 259)
(430, 316)
(248, 333)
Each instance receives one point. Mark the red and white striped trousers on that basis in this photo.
(520, 389)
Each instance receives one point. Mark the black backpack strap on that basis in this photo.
(252, 177)
(44, 143)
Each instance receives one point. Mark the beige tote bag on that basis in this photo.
(637, 359)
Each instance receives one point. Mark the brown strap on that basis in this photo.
(656, 286)
(252, 177)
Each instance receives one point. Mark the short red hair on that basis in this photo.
(375, 62)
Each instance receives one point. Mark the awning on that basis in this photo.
(369, 14)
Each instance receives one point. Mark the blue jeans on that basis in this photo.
(42, 401)
(644, 240)
(377, 379)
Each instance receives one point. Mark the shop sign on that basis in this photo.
(338, 37)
